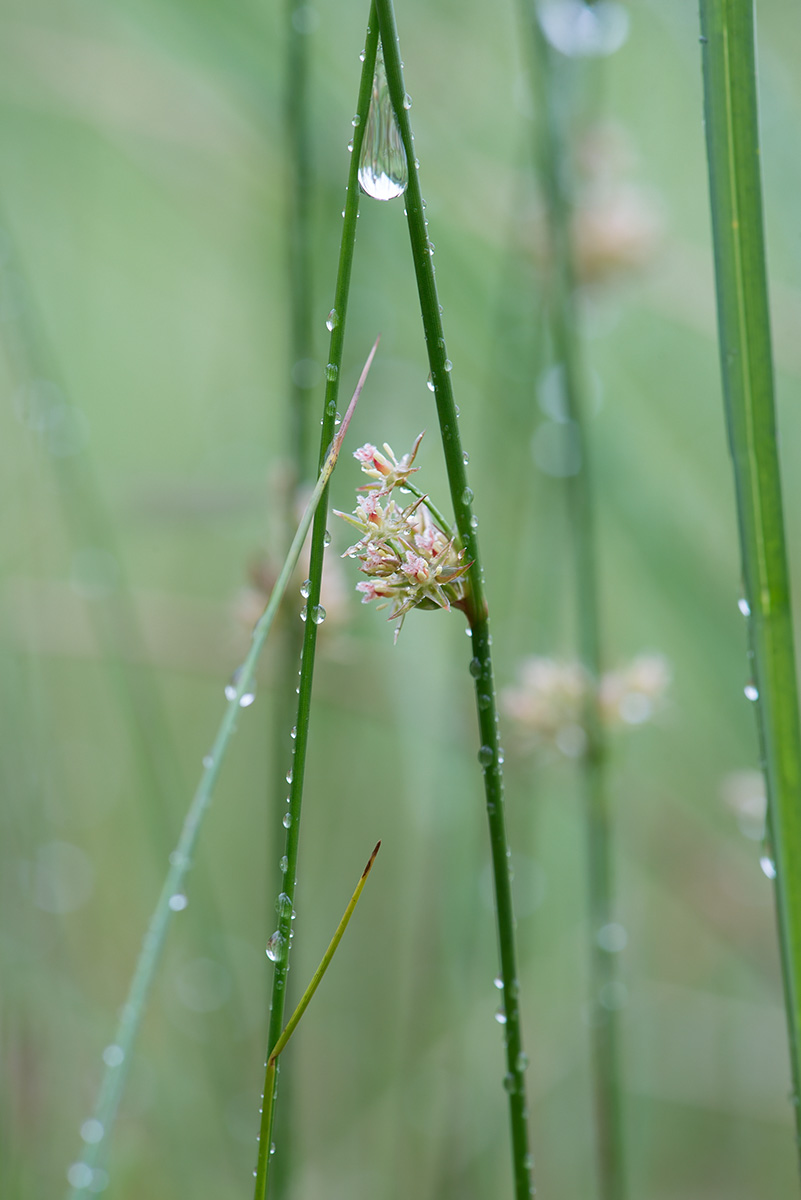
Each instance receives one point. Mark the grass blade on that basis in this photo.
(730, 106)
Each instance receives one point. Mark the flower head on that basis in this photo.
(409, 560)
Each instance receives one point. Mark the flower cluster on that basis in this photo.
(548, 704)
(410, 561)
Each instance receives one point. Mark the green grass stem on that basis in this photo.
(732, 137)
(171, 899)
(265, 1137)
(554, 171)
(289, 862)
(490, 753)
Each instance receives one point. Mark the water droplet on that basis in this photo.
(751, 692)
(467, 496)
(92, 1131)
(284, 864)
(407, 101)
(331, 371)
(283, 905)
(327, 538)
(583, 30)
(332, 320)
(475, 667)
(293, 733)
(275, 946)
(501, 757)
(318, 614)
(356, 122)
(485, 756)
(484, 701)
(474, 522)
(744, 606)
(232, 687)
(521, 1062)
(465, 457)
(79, 1175)
(337, 419)
(113, 1055)
(509, 1082)
(361, 59)
(290, 775)
(448, 363)
(178, 902)
(768, 866)
(287, 819)
(612, 938)
(272, 1147)
(498, 982)
(383, 171)
(304, 612)
(430, 383)
(350, 146)
(500, 1016)
(305, 588)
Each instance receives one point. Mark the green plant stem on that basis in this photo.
(303, 1004)
(732, 137)
(555, 175)
(301, 351)
(180, 860)
(301, 730)
(490, 755)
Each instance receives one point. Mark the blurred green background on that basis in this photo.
(144, 369)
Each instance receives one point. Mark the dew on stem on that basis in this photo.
(383, 170)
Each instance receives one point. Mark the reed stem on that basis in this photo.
(490, 754)
(732, 138)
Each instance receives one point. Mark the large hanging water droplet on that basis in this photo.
(318, 614)
(332, 320)
(383, 170)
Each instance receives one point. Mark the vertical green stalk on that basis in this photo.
(301, 352)
(490, 754)
(289, 862)
(554, 172)
(732, 138)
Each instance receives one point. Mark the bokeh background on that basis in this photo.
(144, 369)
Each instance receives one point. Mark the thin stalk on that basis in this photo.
(490, 754)
(337, 319)
(732, 138)
(263, 1171)
(118, 1056)
(554, 172)
(301, 351)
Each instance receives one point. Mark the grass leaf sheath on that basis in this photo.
(730, 106)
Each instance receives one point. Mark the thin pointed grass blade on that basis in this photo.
(730, 108)
(117, 1055)
(490, 755)
(263, 1167)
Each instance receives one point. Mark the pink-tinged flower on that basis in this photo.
(372, 460)
(389, 471)
(416, 567)
(372, 590)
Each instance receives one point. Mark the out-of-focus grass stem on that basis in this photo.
(481, 669)
(732, 138)
(118, 1056)
(554, 174)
